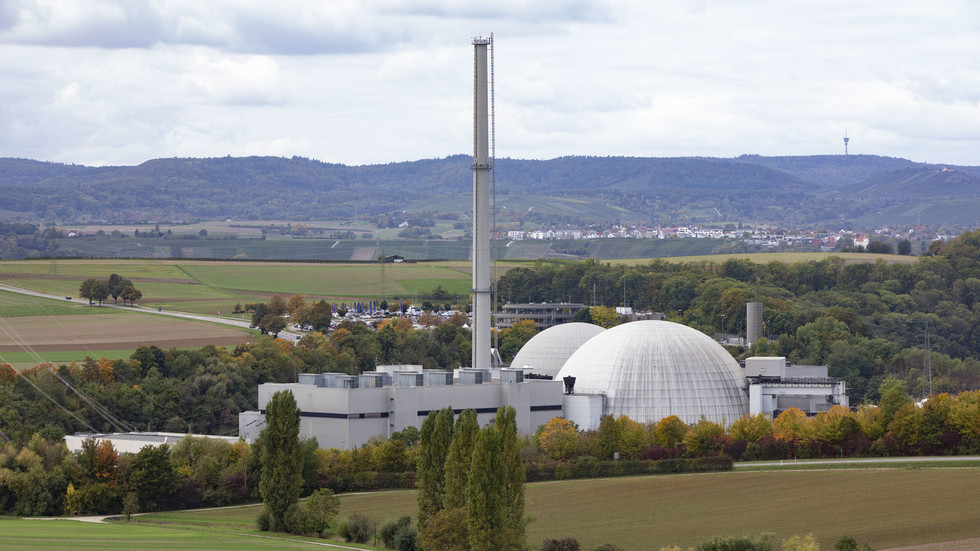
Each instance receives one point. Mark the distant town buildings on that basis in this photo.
(765, 237)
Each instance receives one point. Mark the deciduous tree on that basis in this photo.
(486, 513)
(282, 476)
(558, 438)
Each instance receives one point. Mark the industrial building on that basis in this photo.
(133, 442)
(345, 411)
(543, 314)
(775, 386)
(646, 370)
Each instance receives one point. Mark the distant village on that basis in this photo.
(768, 237)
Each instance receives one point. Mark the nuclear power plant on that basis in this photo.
(644, 369)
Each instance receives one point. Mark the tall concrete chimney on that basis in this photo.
(481, 208)
(753, 322)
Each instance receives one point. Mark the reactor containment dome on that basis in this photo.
(649, 370)
(546, 352)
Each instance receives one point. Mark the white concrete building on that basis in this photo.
(775, 386)
(133, 442)
(349, 415)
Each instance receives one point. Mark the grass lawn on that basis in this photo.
(30, 535)
(884, 507)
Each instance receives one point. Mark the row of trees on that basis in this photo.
(470, 483)
(944, 425)
(269, 317)
(97, 290)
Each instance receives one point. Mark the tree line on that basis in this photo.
(865, 321)
(116, 286)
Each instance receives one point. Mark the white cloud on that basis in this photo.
(251, 81)
(351, 81)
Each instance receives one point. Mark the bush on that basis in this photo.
(586, 467)
(763, 542)
(608, 547)
(264, 521)
(406, 538)
(712, 463)
(564, 471)
(357, 529)
(564, 544)
(388, 530)
(318, 512)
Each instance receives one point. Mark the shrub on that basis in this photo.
(264, 521)
(763, 542)
(131, 505)
(586, 467)
(388, 530)
(564, 544)
(712, 463)
(406, 538)
(357, 529)
(563, 471)
(318, 512)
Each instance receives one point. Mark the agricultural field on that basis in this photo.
(36, 329)
(639, 513)
(785, 257)
(924, 505)
(28, 535)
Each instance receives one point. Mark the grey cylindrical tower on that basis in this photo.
(481, 208)
(753, 322)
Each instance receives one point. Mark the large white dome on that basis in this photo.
(547, 351)
(651, 369)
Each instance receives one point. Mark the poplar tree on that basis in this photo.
(514, 476)
(282, 477)
(485, 513)
(435, 438)
(460, 459)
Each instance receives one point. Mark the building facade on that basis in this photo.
(544, 314)
(348, 415)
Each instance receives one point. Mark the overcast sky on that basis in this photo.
(119, 82)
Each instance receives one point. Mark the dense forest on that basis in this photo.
(788, 191)
(865, 321)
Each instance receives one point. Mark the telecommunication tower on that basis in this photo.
(846, 139)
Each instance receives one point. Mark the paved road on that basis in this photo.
(869, 460)
(288, 335)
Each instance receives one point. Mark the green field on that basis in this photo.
(29, 535)
(886, 507)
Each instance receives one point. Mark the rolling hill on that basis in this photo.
(789, 191)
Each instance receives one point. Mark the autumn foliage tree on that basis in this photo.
(558, 438)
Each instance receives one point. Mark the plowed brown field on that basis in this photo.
(113, 331)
